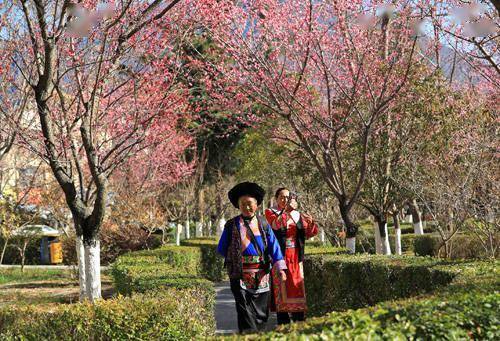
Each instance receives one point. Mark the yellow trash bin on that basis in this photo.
(56, 256)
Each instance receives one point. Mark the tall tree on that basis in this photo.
(331, 70)
(103, 84)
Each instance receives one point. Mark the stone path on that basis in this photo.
(225, 311)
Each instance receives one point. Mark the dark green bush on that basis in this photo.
(335, 282)
(426, 245)
(12, 255)
(462, 246)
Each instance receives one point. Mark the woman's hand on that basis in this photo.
(307, 218)
(283, 275)
(292, 205)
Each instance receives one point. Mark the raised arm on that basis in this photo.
(310, 226)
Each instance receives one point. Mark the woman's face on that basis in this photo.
(283, 198)
(248, 206)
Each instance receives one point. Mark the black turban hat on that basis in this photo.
(246, 188)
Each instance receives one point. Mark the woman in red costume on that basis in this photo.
(291, 228)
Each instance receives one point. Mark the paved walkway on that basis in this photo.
(225, 311)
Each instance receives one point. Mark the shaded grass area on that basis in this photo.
(14, 275)
(42, 287)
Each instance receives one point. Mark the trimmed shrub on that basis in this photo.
(211, 263)
(463, 305)
(463, 246)
(458, 317)
(366, 243)
(426, 245)
(166, 299)
(168, 314)
(358, 281)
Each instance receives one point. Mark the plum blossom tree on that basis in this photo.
(103, 85)
(330, 70)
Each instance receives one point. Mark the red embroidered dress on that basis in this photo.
(290, 296)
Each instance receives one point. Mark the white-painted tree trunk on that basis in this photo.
(378, 241)
(210, 227)
(80, 254)
(93, 269)
(322, 235)
(416, 218)
(409, 218)
(418, 228)
(397, 243)
(220, 226)
(199, 229)
(187, 229)
(386, 246)
(178, 235)
(350, 244)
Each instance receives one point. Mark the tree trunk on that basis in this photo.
(397, 242)
(178, 233)
(3, 250)
(350, 244)
(80, 253)
(163, 235)
(23, 254)
(322, 235)
(220, 227)
(210, 227)
(378, 241)
(416, 217)
(187, 228)
(92, 248)
(385, 247)
(350, 227)
(199, 229)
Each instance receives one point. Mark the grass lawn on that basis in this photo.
(14, 275)
(42, 286)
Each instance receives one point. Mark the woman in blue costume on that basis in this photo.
(249, 247)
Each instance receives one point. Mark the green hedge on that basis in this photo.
(459, 317)
(426, 245)
(166, 298)
(169, 266)
(168, 314)
(365, 243)
(358, 281)
(450, 300)
(211, 263)
(463, 246)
